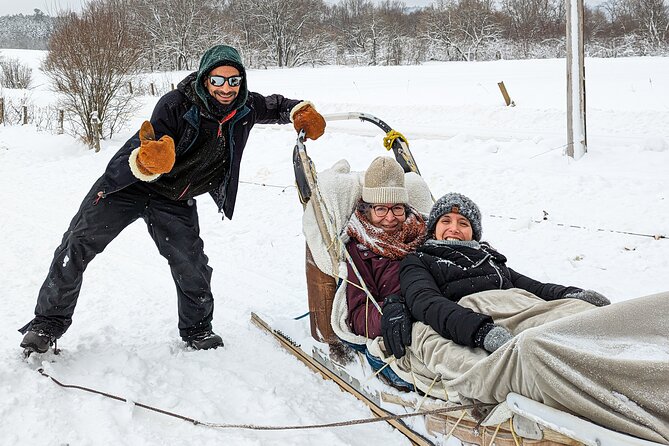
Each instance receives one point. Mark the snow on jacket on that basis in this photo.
(381, 276)
(439, 274)
(179, 116)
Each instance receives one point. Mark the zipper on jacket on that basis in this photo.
(223, 121)
(499, 274)
(184, 192)
(100, 194)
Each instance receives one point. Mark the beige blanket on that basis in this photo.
(609, 365)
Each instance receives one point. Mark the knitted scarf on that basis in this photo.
(395, 245)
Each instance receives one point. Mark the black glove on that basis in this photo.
(589, 296)
(491, 337)
(396, 323)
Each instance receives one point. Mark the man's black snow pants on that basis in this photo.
(174, 227)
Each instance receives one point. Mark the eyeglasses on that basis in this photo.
(219, 81)
(380, 211)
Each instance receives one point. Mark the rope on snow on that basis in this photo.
(564, 225)
(267, 428)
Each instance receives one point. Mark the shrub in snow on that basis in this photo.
(14, 74)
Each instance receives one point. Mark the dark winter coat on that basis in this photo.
(381, 276)
(180, 114)
(437, 276)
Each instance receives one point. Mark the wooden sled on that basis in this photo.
(518, 421)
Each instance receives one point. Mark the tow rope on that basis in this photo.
(390, 138)
(267, 427)
(566, 225)
(563, 225)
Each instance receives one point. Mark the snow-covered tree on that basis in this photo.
(467, 28)
(531, 21)
(90, 58)
(179, 30)
(285, 32)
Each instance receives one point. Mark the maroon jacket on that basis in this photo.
(382, 278)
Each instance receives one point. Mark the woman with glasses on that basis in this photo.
(382, 231)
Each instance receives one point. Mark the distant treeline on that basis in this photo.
(283, 33)
(29, 32)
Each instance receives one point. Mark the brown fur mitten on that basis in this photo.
(305, 116)
(152, 158)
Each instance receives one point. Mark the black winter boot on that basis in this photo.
(205, 341)
(37, 341)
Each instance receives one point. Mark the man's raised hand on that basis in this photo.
(154, 157)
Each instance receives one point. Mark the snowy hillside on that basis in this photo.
(124, 338)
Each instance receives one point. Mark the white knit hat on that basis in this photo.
(384, 182)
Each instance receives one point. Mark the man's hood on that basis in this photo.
(215, 57)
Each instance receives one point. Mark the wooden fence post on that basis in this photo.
(95, 121)
(61, 122)
(577, 140)
(505, 93)
(153, 89)
(2, 110)
(130, 88)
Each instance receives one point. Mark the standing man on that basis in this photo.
(192, 145)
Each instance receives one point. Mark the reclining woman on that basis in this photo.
(382, 231)
(453, 263)
(469, 305)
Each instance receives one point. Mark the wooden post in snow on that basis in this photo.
(95, 124)
(505, 94)
(61, 122)
(2, 110)
(576, 129)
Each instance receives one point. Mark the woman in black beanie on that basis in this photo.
(454, 263)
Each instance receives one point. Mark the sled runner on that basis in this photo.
(327, 345)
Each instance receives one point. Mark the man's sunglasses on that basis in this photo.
(219, 81)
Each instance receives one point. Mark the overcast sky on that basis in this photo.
(50, 7)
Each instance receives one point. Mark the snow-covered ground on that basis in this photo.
(124, 338)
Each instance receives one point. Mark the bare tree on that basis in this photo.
(375, 34)
(466, 27)
(90, 58)
(642, 25)
(353, 24)
(620, 16)
(652, 17)
(287, 30)
(530, 21)
(179, 30)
